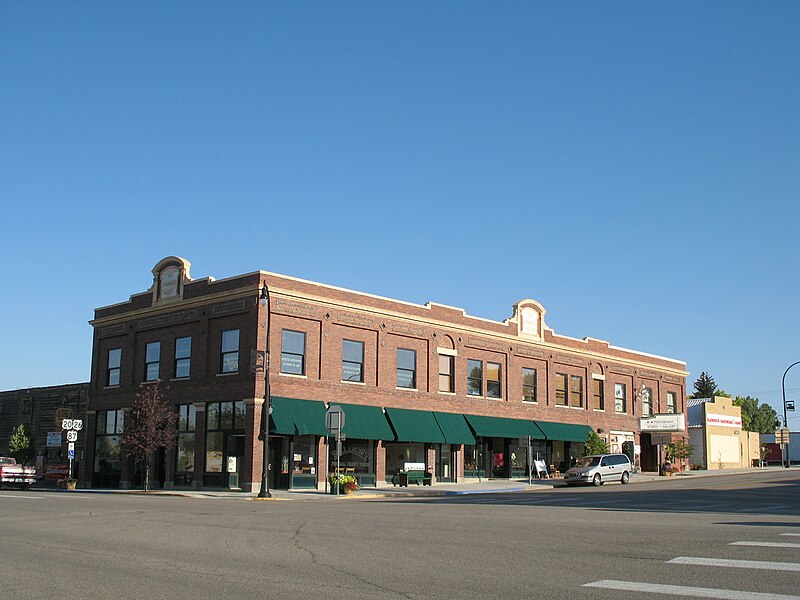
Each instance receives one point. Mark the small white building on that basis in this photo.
(716, 434)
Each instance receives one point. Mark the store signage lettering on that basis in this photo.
(663, 422)
(723, 421)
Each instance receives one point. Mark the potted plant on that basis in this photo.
(347, 484)
(67, 483)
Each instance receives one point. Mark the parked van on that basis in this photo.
(599, 468)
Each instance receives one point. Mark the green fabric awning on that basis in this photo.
(454, 428)
(503, 428)
(414, 425)
(297, 417)
(566, 432)
(365, 422)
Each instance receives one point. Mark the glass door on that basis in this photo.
(444, 463)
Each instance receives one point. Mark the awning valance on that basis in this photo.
(365, 422)
(565, 432)
(414, 425)
(454, 428)
(503, 427)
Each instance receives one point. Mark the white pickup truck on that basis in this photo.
(13, 474)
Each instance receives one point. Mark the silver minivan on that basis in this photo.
(599, 468)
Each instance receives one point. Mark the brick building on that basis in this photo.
(418, 384)
(43, 408)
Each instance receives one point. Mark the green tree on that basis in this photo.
(594, 445)
(679, 450)
(760, 418)
(705, 386)
(151, 426)
(21, 444)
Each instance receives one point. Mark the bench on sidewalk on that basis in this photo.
(403, 478)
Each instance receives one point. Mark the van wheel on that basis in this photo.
(625, 478)
(597, 481)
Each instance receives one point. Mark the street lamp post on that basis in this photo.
(785, 419)
(266, 408)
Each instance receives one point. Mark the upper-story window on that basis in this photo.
(561, 389)
(447, 373)
(352, 361)
(672, 401)
(152, 358)
(293, 352)
(183, 358)
(229, 351)
(474, 377)
(647, 401)
(598, 395)
(576, 391)
(406, 368)
(113, 369)
(494, 385)
(529, 377)
(620, 397)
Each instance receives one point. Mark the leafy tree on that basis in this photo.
(21, 445)
(680, 450)
(760, 418)
(705, 386)
(723, 393)
(594, 445)
(150, 426)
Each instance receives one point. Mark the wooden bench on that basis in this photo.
(403, 478)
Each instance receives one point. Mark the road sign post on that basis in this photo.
(334, 421)
(72, 427)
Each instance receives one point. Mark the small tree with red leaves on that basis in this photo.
(150, 426)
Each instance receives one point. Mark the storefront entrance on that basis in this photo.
(444, 463)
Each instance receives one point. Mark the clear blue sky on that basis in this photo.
(633, 166)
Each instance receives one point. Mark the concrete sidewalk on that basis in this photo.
(492, 486)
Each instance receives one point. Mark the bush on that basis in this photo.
(347, 483)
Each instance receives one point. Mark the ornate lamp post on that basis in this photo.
(785, 419)
(266, 408)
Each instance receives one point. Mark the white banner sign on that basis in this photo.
(723, 421)
(663, 422)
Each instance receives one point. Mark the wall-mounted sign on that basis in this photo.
(53, 439)
(713, 420)
(663, 422)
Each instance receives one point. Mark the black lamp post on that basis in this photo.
(266, 408)
(785, 420)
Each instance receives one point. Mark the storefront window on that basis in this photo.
(474, 460)
(304, 452)
(399, 454)
(214, 452)
(107, 464)
(499, 458)
(518, 454)
(356, 457)
(184, 462)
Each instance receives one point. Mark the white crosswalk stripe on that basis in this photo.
(682, 590)
(643, 587)
(740, 564)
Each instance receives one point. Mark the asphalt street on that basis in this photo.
(735, 536)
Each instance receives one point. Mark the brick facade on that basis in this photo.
(203, 309)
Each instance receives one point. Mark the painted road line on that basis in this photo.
(792, 534)
(766, 544)
(21, 497)
(680, 590)
(739, 564)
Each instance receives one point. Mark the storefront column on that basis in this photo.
(322, 463)
(87, 461)
(430, 461)
(380, 464)
(458, 467)
(253, 451)
(126, 462)
(170, 456)
(199, 445)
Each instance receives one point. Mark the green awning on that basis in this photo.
(565, 432)
(297, 417)
(365, 422)
(414, 425)
(454, 428)
(502, 427)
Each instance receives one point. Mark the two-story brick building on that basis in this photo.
(418, 384)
